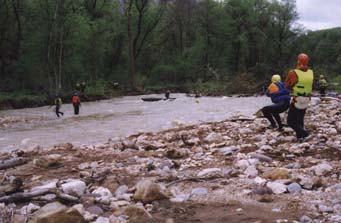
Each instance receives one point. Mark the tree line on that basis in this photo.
(47, 46)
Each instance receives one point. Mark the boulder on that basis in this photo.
(294, 188)
(213, 138)
(199, 191)
(49, 161)
(322, 169)
(277, 188)
(148, 191)
(275, 174)
(57, 213)
(210, 172)
(74, 187)
(261, 157)
(103, 192)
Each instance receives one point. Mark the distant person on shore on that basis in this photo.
(78, 87)
(280, 96)
(82, 87)
(76, 102)
(167, 94)
(58, 103)
(300, 82)
(322, 85)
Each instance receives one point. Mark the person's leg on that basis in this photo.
(77, 110)
(293, 120)
(279, 108)
(57, 111)
(267, 110)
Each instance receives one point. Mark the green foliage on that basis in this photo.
(210, 46)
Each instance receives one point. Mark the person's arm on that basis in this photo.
(291, 80)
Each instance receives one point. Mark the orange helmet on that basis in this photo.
(302, 60)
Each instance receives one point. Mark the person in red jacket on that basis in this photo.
(76, 102)
(300, 82)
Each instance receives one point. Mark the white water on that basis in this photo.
(119, 117)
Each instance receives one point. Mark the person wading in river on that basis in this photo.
(76, 102)
(58, 103)
(300, 82)
(280, 96)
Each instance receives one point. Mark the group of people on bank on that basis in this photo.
(294, 94)
(76, 101)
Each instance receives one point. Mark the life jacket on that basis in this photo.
(304, 85)
(75, 99)
(323, 83)
(282, 94)
(58, 101)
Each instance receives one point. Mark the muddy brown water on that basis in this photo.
(98, 121)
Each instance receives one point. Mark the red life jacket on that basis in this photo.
(75, 99)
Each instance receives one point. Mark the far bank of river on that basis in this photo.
(100, 120)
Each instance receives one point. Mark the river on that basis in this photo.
(119, 117)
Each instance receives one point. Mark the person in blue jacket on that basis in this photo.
(280, 96)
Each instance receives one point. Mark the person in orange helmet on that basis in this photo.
(300, 82)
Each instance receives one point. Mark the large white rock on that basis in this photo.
(74, 187)
(210, 172)
(277, 188)
(213, 137)
(322, 169)
(104, 192)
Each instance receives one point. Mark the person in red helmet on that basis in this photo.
(300, 82)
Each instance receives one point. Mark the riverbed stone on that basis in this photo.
(275, 174)
(261, 157)
(57, 213)
(103, 192)
(294, 188)
(276, 187)
(305, 219)
(148, 191)
(199, 191)
(210, 172)
(322, 169)
(74, 187)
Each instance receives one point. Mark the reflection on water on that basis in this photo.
(118, 117)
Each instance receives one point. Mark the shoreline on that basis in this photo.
(234, 165)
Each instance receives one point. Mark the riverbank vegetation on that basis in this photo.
(216, 47)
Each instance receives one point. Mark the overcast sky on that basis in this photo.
(319, 14)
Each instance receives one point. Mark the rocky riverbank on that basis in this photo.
(230, 171)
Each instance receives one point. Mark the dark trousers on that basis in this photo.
(58, 112)
(323, 91)
(273, 111)
(296, 121)
(76, 108)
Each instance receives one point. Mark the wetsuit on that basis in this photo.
(58, 103)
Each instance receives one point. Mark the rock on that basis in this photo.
(242, 164)
(17, 218)
(102, 220)
(94, 209)
(228, 150)
(57, 213)
(210, 172)
(266, 147)
(305, 219)
(103, 192)
(199, 191)
(121, 190)
(135, 212)
(277, 188)
(174, 153)
(180, 198)
(266, 198)
(48, 161)
(29, 209)
(275, 174)
(47, 185)
(262, 190)
(80, 208)
(261, 157)
(307, 183)
(84, 166)
(294, 188)
(74, 187)
(147, 191)
(213, 138)
(251, 172)
(325, 209)
(322, 169)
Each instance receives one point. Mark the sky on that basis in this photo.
(319, 14)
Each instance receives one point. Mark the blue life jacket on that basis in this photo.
(282, 94)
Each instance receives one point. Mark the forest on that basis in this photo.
(214, 47)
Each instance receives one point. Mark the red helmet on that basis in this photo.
(302, 60)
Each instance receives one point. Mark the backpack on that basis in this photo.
(75, 99)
